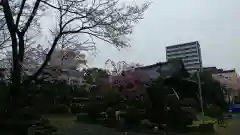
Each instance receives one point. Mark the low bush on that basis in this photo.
(94, 110)
(83, 117)
(60, 109)
(93, 113)
(43, 127)
(188, 102)
(214, 111)
(78, 108)
(132, 117)
(21, 120)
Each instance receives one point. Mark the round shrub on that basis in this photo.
(60, 109)
(77, 108)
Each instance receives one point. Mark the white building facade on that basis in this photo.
(189, 53)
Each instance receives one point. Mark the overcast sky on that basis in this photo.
(214, 23)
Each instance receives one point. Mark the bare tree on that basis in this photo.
(107, 20)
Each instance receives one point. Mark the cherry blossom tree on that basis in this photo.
(78, 21)
(63, 62)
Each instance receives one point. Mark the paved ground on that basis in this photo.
(89, 129)
(233, 127)
(86, 129)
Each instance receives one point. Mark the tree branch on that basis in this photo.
(33, 13)
(84, 28)
(48, 58)
(97, 36)
(20, 12)
(66, 10)
(71, 20)
(4, 41)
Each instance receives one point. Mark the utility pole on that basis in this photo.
(200, 93)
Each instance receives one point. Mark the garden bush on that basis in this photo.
(132, 117)
(189, 102)
(93, 113)
(94, 109)
(43, 127)
(214, 111)
(179, 118)
(21, 120)
(77, 108)
(83, 117)
(60, 109)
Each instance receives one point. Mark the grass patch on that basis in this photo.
(203, 119)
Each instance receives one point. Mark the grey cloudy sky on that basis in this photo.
(214, 23)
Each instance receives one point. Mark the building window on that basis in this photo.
(181, 49)
(178, 52)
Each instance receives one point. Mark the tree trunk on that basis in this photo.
(16, 72)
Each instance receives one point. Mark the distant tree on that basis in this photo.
(91, 75)
(117, 68)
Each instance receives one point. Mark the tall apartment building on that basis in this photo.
(189, 53)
